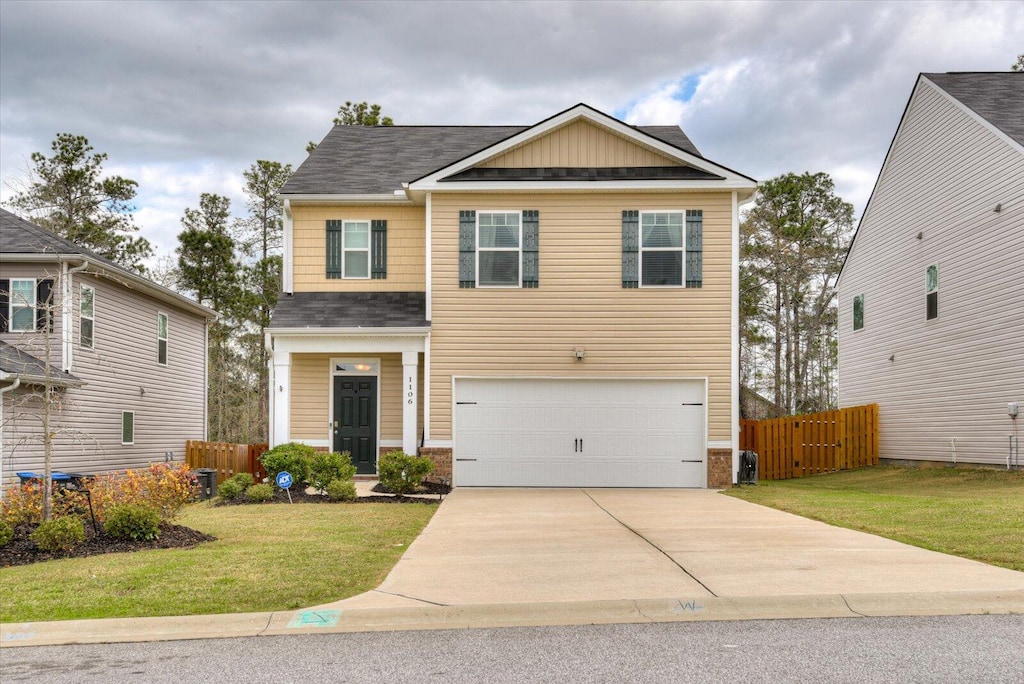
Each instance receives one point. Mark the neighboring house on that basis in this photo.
(931, 322)
(546, 305)
(127, 358)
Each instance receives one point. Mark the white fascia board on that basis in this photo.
(278, 333)
(595, 117)
(398, 197)
(347, 344)
(122, 276)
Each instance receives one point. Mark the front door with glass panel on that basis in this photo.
(355, 420)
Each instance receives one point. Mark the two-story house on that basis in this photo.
(125, 359)
(545, 305)
(931, 317)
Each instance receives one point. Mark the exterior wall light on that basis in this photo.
(579, 353)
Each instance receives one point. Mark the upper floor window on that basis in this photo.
(161, 339)
(357, 249)
(932, 292)
(26, 304)
(858, 312)
(127, 427)
(499, 248)
(23, 305)
(86, 311)
(662, 248)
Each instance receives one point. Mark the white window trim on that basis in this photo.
(681, 249)
(11, 305)
(82, 316)
(854, 313)
(366, 250)
(518, 250)
(165, 338)
(123, 414)
(928, 292)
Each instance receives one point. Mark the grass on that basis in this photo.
(971, 512)
(265, 558)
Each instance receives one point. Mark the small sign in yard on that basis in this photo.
(284, 481)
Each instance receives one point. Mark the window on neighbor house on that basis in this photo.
(858, 312)
(499, 243)
(23, 305)
(127, 427)
(161, 339)
(355, 249)
(86, 314)
(932, 292)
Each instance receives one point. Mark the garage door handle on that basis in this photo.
(465, 459)
(581, 445)
(576, 446)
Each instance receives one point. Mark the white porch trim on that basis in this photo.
(410, 381)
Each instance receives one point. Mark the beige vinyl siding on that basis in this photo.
(579, 144)
(311, 395)
(120, 373)
(33, 342)
(951, 377)
(406, 248)
(646, 332)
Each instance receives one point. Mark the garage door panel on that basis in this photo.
(571, 433)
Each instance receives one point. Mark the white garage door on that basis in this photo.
(579, 433)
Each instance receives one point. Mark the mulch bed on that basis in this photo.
(21, 550)
(383, 496)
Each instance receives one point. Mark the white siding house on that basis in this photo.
(128, 358)
(931, 322)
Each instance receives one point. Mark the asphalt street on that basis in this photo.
(962, 649)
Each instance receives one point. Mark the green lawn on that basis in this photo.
(974, 513)
(266, 558)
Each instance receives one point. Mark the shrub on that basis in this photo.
(132, 521)
(24, 504)
(6, 533)
(293, 457)
(402, 473)
(166, 487)
(260, 492)
(244, 479)
(341, 490)
(59, 534)
(229, 490)
(324, 468)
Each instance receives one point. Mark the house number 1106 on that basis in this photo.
(410, 394)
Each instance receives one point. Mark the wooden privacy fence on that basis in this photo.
(796, 446)
(227, 459)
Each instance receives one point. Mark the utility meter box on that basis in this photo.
(1012, 409)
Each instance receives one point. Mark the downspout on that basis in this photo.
(4, 390)
(67, 339)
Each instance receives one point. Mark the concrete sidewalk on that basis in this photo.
(516, 557)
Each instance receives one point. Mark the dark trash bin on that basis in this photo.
(207, 483)
(748, 467)
(79, 480)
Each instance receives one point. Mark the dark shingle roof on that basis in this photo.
(18, 236)
(997, 97)
(20, 363)
(378, 159)
(351, 310)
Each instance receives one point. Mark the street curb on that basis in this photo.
(339, 619)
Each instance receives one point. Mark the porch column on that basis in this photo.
(410, 364)
(281, 393)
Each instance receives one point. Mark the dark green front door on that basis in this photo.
(355, 421)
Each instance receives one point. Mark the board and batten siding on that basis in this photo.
(311, 395)
(121, 373)
(950, 378)
(579, 144)
(645, 332)
(405, 254)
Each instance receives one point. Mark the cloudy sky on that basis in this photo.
(184, 96)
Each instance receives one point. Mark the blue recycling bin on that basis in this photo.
(61, 479)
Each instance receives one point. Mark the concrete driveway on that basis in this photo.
(506, 546)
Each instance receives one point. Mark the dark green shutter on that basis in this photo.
(531, 248)
(378, 249)
(44, 305)
(467, 248)
(630, 248)
(5, 304)
(694, 247)
(334, 249)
